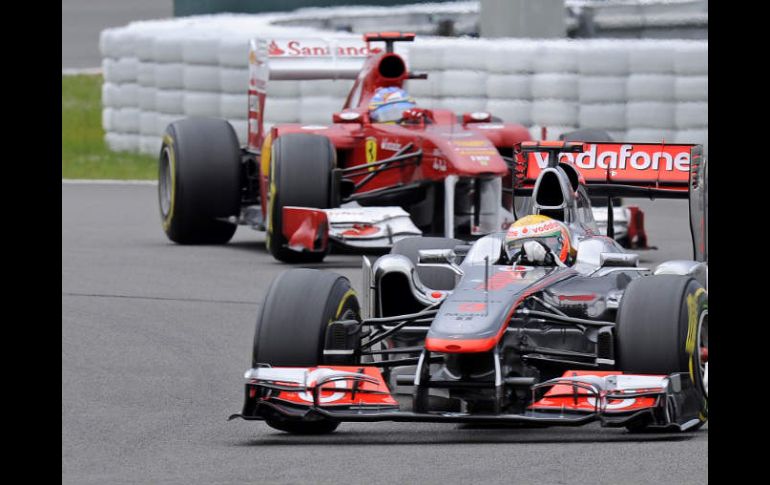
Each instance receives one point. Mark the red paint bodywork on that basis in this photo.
(448, 146)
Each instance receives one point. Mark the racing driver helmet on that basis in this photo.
(542, 229)
(388, 104)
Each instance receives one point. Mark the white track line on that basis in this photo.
(107, 182)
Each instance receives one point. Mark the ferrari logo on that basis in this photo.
(371, 151)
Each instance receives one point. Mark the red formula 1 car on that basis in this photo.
(358, 182)
(483, 334)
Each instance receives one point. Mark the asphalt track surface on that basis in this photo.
(156, 337)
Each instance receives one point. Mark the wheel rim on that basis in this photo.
(703, 347)
(164, 183)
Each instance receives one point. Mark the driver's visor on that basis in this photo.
(391, 111)
(555, 243)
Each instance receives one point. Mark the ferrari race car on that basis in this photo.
(451, 332)
(359, 182)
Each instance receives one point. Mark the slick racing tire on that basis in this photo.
(662, 328)
(300, 175)
(291, 328)
(199, 181)
(435, 278)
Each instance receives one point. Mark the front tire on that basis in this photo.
(199, 181)
(291, 328)
(662, 328)
(300, 175)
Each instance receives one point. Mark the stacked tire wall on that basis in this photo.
(637, 90)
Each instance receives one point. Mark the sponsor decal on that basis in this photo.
(470, 143)
(371, 151)
(481, 159)
(439, 165)
(534, 230)
(361, 230)
(390, 145)
(485, 126)
(314, 127)
(623, 160)
(318, 48)
(472, 307)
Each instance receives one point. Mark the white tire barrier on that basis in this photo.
(234, 80)
(327, 87)
(552, 112)
(692, 59)
(511, 110)
(317, 110)
(145, 73)
(282, 110)
(461, 105)
(198, 66)
(602, 89)
(200, 78)
(691, 115)
(603, 60)
(121, 142)
(463, 83)
(126, 120)
(651, 59)
(691, 88)
(146, 98)
(283, 89)
(603, 116)
(555, 58)
(650, 87)
(552, 132)
(169, 101)
(233, 106)
(645, 114)
(109, 95)
(148, 123)
(510, 86)
(169, 76)
(201, 50)
(201, 104)
(150, 145)
(556, 86)
(650, 135)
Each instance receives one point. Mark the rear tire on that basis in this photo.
(662, 327)
(199, 181)
(300, 175)
(434, 278)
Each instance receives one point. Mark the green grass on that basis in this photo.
(84, 154)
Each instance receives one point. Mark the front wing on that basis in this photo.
(360, 394)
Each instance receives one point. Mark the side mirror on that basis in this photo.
(618, 259)
(439, 258)
(347, 117)
(477, 117)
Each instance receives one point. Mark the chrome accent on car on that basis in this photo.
(368, 282)
(449, 205)
(397, 263)
(696, 269)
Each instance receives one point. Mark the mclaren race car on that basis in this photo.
(451, 332)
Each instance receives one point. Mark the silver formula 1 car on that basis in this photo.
(452, 332)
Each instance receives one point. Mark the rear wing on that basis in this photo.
(650, 170)
(297, 59)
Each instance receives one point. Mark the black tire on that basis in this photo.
(199, 181)
(300, 175)
(657, 314)
(435, 278)
(323, 426)
(291, 328)
(298, 306)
